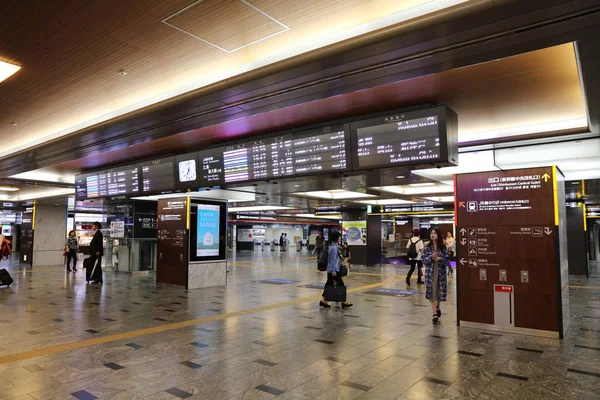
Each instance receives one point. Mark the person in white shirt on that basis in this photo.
(415, 249)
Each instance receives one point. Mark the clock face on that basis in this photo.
(187, 171)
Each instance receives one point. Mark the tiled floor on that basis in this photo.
(132, 339)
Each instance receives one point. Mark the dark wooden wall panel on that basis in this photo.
(515, 240)
(172, 246)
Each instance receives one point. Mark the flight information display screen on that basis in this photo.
(157, 175)
(113, 182)
(284, 156)
(398, 141)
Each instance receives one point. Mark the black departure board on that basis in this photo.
(421, 137)
(289, 155)
(409, 138)
(321, 153)
(399, 142)
(157, 175)
(113, 182)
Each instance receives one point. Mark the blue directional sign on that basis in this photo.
(393, 292)
(278, 281)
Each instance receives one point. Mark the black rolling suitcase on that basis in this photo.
(92, 272)
(5, 278)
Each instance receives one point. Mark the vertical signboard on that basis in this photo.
(172, 246)
(27, 225)
(507, 236)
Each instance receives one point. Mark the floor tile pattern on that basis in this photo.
(385, 347)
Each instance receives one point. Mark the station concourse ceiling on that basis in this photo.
(84, 62)
(540, 88)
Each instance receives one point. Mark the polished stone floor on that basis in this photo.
(259, 339)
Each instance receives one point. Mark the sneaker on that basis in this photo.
(438, 312)
(408, 282)
(420, 283)
(324, 305)
(346, 305)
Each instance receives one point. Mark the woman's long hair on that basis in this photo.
(440, 239)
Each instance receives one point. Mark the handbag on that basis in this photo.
(343, 270)
(335, 293)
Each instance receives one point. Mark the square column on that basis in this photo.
(50, 228)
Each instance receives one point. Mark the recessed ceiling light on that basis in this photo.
(122, 72)
(336, 194)
(7, 70)
(400, 177)
(257, 208)
(296, 185)
(8, 189)
(405, 190)
(422, 184)
(13, 124)
(333, 216)
(441, 199)
(385, 202)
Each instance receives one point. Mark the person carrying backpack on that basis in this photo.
(320, 244)
(415, 249)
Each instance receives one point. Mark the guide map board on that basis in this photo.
(507, 226)
(172, 245)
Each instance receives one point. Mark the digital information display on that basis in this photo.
(208, 230)
(399, 142)
(157, 175)
(422, 137)
(80, 187)
(283, 156)
(211, 162)
(113, 182)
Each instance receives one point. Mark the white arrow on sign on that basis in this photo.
(463, 231)
(463, 261)
(547, 231)
(463, 241)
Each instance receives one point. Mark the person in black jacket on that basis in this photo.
(97, 251)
